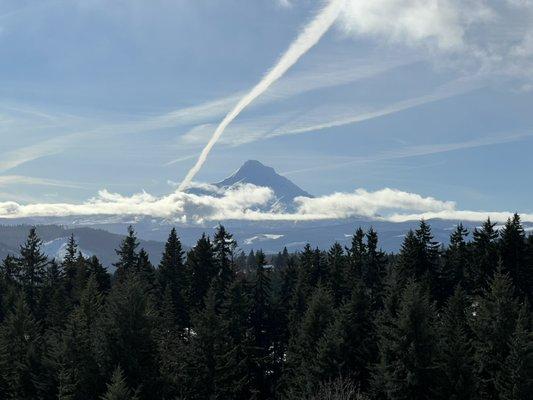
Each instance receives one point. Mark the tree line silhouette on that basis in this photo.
(430, 322)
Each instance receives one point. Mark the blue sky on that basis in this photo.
(122, 95)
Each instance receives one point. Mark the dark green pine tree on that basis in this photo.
(385, 322)
(427, 265)
(10, 269)
(337, 264)
(261, 329)
(456, 260)
(127, 339)
(484, 258)
(235, 364)
(305, 269)
(32, 268)
(319, 273)
(312, 267)
(74, 351)
(407, 348)
(54, 299)
(101, 276)
(170, 347)
(406, 265)
(456, 352)
(171, 276)
(127, 253)
(374, 272)
(516, 379)
(493, 327)
(356, 257)
(201, 270)
(223, 251)
(8, 285)
(513, 253)
(81, 277)
(299, 297)
(529, 260)
(302, 363)
(69, 265)
(281, 306)
(117, 388)
(419, 257)
(21, 356)
(348, 348)
(146, 273)
(206, 348)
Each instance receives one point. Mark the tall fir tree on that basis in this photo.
(171, 276)
(456, 352)
(407, 348)
(201, 270)
(261, 328)
(374, 272)
(80, 279)
(117, 388)
(32, 268)
(302, 363)
(146, 273)
(21, 355)
(484, 258)
(348, 348)
(127, 339)
(356, 256)
(515, 381)
(127, 254)
(337, 265)
(419, 257)
(513, 254)
(69, 264)
(54, 302)
(206, 348)
(101, 276)
(456, 260)
(75, 353)
(223, 251)
(493, 327)
(235, 363)
(170, 347)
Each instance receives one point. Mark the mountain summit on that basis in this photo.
(256, 173)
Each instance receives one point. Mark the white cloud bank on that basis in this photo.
(249, 202)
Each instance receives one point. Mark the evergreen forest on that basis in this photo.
(210, 322)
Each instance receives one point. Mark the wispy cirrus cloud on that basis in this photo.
(73, 131)
(416, 151)
(323, 117)
(7, 180)
(14, 158)
(492, 37)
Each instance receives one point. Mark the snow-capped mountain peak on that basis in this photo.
(256, 173)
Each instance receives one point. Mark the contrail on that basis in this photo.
(305, 41)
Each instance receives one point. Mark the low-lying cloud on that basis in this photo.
(253, 203)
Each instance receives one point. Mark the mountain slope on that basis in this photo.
(256, 173)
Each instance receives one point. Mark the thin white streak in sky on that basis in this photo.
(303, 43)
(416, 151)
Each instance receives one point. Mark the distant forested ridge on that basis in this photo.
(430, 322)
